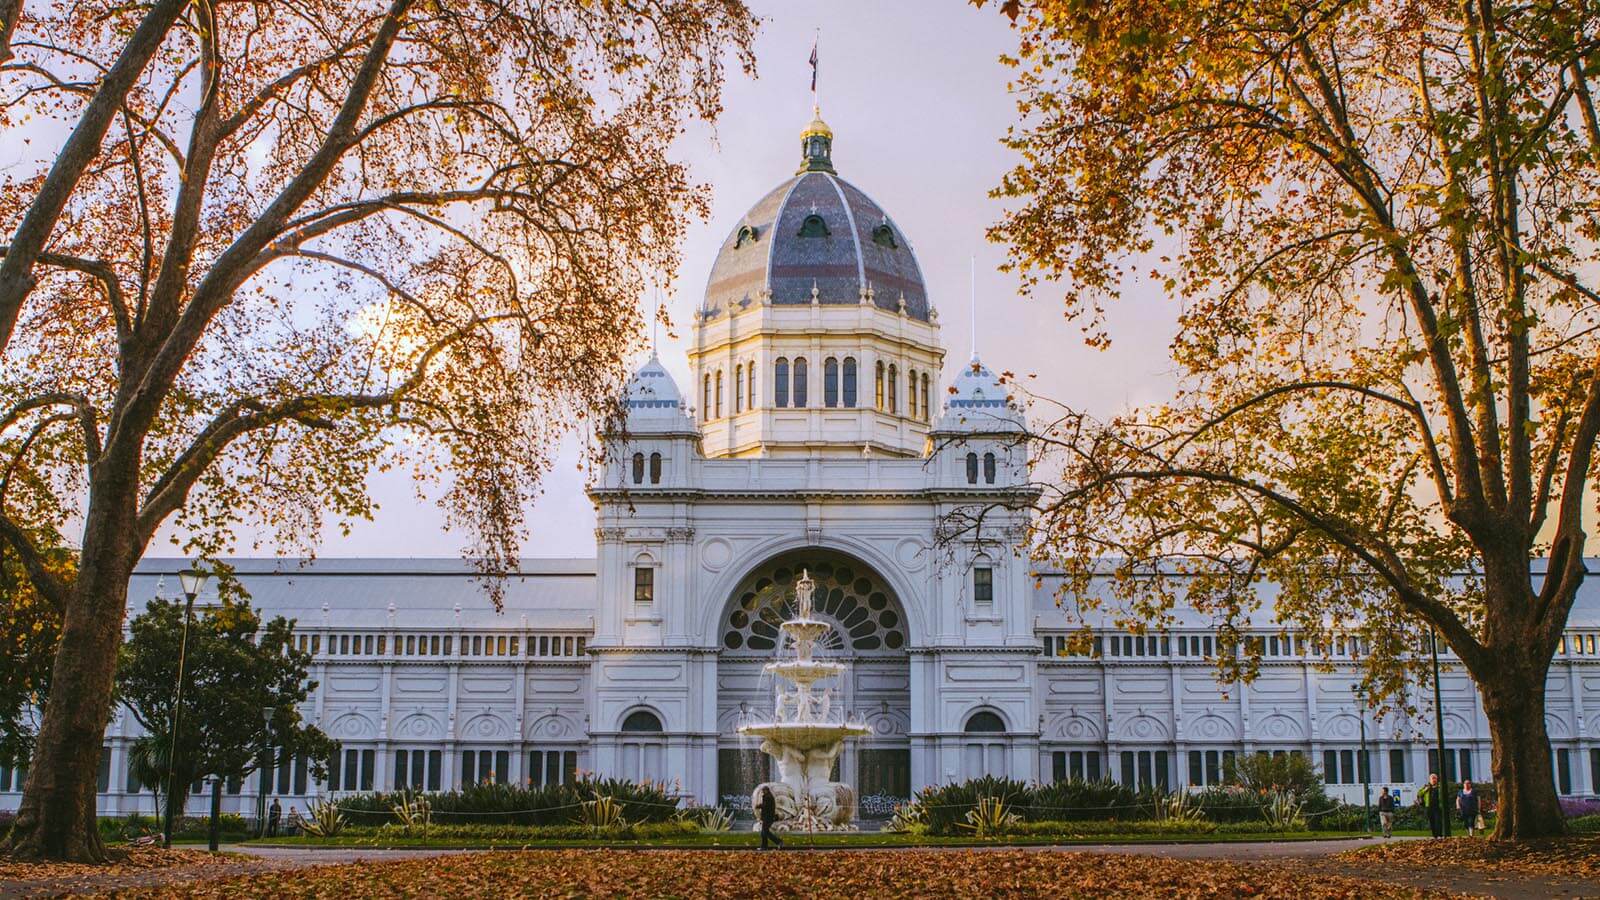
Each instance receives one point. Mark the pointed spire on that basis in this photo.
(972, 301)
(655, 331)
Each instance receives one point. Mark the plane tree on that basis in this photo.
(1376, 220)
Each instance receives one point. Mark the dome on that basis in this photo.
(979, 402)
(652, 402)
(816, 233)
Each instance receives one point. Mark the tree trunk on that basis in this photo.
(57, 818)
(1523, 780)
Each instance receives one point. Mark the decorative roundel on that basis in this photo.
(863, 610)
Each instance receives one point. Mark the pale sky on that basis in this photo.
(917, 100)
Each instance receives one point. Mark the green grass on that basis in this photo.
(744, 840)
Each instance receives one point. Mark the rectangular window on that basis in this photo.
(1563, 771)
(301, 776)
(1397, 765)
(1058, 766)
(1163, 770)
(502, 766)
(368, 766)
(1466, 765)
(983, 586)
(103, 778)
(1347, 767)
(1127, 768)
(1594, 770)
(285, 772)
(469, 767)
(644, 584)
(1449, 773)
(1330, 766)
(133, 785)
(1213, 767)
(1197, 774)
(1145, 775)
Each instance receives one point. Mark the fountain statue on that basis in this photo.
(807, 732)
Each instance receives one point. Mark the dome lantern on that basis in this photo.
(816, 146)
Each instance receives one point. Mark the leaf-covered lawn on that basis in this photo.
(1570, 857)
(833, 874)
(128, 867)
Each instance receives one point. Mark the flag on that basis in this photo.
(813, 67)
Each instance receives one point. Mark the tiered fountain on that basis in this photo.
(807, 732)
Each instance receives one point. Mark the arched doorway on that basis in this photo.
(643, 747)
(870, 635)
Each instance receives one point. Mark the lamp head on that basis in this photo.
(192, 581)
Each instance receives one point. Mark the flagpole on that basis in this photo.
(816, 42)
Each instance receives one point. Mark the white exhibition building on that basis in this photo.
(817, 434)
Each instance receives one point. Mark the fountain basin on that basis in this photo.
(805, 630)
(804, 737)
(804, 671)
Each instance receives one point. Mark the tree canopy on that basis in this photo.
(1379, 219)
(285, 245)
(29, 629)
(236, 666)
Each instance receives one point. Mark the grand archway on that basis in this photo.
(870, 636)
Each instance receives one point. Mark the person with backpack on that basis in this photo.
(1386, 812)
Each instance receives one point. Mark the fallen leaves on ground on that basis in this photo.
(127, 867)
(1569, 857)
(829, 874)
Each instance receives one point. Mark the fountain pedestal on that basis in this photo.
(806, 733)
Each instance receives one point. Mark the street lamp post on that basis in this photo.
(1364, 765)
(266, 771)
(191, 580)
(1442, 795)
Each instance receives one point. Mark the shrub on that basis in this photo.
(1229, 803)
(945, 807)
(188, 828)
(510, 804)
(1152, 827)
(1179, 806)
(325, 820)
(990, 817)
(908, 818)
(1576, 807)
(1340, 817)
(711, 819)
(1289, 773)
(1077, 799)
(1284, 812)
(603, 813)
(524, 834)
(1585, 824)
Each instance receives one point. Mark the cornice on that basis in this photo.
(810, 494)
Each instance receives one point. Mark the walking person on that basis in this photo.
(1386, 812)
(1432, 799)
(768, 812)
(273, 815)
(1467, 806)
